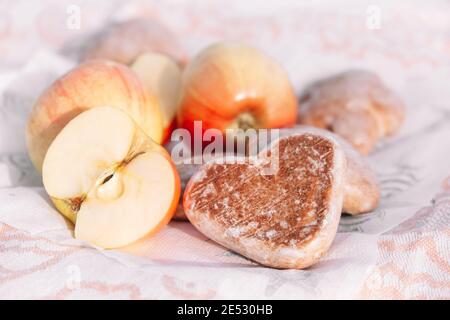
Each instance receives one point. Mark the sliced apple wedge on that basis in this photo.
(110, 179)
(161, 76)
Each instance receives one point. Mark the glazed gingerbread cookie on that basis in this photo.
(284, 219)
(124, 41)
(361, 189)
(354, 104)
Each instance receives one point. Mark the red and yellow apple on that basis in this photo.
(234, 86)
(91, 84)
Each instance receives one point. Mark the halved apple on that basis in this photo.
(161, 77)
(107, 176)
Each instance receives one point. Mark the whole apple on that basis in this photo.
(234, 86)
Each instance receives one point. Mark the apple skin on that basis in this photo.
(235, 86)
(65, 209)
(91, 84)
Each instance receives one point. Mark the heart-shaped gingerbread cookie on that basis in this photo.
(286, 218)
(361, 191)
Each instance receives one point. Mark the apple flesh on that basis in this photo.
(161, 77)
(91, 84)
(233, 86)
(109, 178)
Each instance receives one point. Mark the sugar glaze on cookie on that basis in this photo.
(285, 220)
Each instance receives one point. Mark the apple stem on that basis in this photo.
(245, 121)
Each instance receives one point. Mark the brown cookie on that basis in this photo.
(124, 41)
(355, 105)
(286, 219)
(361, 189)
